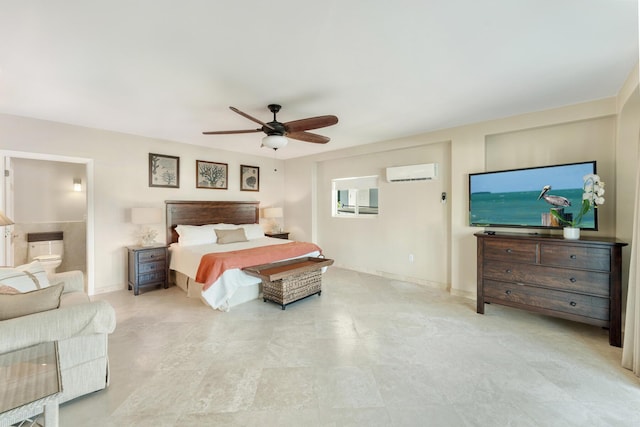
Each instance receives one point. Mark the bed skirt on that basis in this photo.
(193, 289)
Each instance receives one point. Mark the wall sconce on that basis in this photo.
(77, 184)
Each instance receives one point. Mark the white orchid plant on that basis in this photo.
(592, 192)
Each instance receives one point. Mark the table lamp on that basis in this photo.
(5, 221)
(145, 217)
(272, 214)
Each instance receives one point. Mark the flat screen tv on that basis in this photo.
(512, 198)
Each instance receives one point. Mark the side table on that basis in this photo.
(31, 384)
(147, 267)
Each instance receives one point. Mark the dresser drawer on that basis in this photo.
(512, 251)
(151, 255)
(566, 302)
(148, 267)
(158, 276)
(576, 257)
(589, 282)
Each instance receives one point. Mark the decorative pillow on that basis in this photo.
(189, 235)
(25, 278)
(253, 231)
(22, 304)
(231, 236)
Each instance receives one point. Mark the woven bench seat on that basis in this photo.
(290, 281)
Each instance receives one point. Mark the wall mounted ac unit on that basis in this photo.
(412, 172)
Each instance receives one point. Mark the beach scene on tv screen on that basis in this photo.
(510, 198)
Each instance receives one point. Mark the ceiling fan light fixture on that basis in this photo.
(274, 141)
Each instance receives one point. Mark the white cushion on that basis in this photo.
(189, 235)
(36, 301)
(253, 231)
(223, 226)
(231, 236)
(25, 278)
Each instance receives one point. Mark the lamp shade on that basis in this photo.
(274, 141)
(4, 220)
(272, 213)
(146, 215)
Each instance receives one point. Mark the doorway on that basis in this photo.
(53, 202)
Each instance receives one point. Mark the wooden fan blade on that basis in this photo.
(308, 137)
(227, 132)
(310, 123)
(253, 119)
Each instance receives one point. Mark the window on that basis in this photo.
(355, 196)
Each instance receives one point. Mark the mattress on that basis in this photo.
(186, 259)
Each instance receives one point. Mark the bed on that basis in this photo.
(213, 271)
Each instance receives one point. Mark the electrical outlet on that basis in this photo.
(411, 258)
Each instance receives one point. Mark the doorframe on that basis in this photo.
(90, 202)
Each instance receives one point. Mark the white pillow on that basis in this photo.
(189, 235)
(25, 278)
(253, 231)
(223, 226)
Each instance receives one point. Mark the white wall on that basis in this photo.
(627, 158)
(468, 151)
(409, 238)
(44, 191)
(571, 142)
(120, 180)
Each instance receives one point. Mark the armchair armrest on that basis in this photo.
(73, 280)
(55, 325)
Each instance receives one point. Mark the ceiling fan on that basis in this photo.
(277, 132)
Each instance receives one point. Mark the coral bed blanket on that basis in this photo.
(214, 264)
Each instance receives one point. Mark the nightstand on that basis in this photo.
(147, 267)
(282, 235)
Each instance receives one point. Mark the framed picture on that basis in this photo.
(211, 175)
(164, 171)
(249, 178)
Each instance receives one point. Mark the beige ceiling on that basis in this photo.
(170, 69)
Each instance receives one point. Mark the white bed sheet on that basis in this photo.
(186, 259)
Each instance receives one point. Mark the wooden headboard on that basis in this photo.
(186, 212)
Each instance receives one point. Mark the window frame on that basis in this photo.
(354, 185)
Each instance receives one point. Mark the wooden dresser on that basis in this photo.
(573, 279)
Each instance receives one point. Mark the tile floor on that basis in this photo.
(368, 352)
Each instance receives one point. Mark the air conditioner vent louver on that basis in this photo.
(421, 172)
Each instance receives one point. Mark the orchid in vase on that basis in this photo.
(592, 192)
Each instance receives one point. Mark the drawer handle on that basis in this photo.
(508, 251)
(573, 280)
(573, 256)
(508, 292)
(573, 303)
(508, 271)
